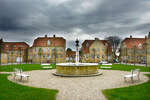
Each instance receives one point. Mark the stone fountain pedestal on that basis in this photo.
(74, 70)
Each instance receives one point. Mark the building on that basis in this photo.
(96, 51)
(133, 50)
(47, 50)
(70, 56)
(13, 52)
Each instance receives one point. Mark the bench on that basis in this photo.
(18, 72)
(134, 73)
(46, 66)
(107, 66)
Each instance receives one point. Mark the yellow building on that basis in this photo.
(133, 50)
(13, 52)
(96, 51)
(47, 50)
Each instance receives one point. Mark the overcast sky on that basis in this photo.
(25, 20)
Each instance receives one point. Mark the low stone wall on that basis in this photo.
(76, 70)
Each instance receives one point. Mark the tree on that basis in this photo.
(115, 42)
(69, 52)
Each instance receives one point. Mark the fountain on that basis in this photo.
(77, 69)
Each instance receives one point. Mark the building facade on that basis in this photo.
(135, 50)
(47, 50)
(14, 52)
(96, 51)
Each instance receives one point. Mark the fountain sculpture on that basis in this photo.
(77, 69)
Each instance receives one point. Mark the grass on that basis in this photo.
(24, 67)
(13, 91)
(137, 92)
(127, 67)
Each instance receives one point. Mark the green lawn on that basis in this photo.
(13, 91)
(137, 92)
(24, 67)
(127, 67)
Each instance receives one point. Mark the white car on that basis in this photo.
(103, 62)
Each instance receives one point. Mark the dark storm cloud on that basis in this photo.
(85, 19)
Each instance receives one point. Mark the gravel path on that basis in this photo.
(79, 88)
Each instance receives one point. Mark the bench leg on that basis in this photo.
(132, 79)
(138, 78)
(124, 79)
(20, 78)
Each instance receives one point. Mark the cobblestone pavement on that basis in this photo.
(79, 88)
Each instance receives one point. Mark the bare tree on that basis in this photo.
(69, 50)
(115, 42)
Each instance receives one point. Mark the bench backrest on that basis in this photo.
(16, 70)
(136, 71)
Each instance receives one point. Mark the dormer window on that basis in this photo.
(87, 45)
(140, 46)
(48, 42)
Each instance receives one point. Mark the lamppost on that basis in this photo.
(145, 45)
(77, 51)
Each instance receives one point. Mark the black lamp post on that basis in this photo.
(77, 50)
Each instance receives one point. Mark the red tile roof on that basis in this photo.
(14, 45)
(131, 42)
(54, 41)
(85, 49)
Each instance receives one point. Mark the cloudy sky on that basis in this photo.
(25, 20)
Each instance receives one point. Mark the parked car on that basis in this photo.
(143, 62)
(103, 62)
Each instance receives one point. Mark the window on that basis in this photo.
(61, 56)
(47, 56)
(103, 49)
(6, 45)
(103, 56)
(140, 46)
(56, 56)
(98, 49)
(61, 50)
(98, 56)
(47, 49)
(48, 42)
(93, 56)
(87, 56)
(20, 45)
(43, 56)
(43, 49)
(149, 49)
(87, 45)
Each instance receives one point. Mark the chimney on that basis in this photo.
(130, 36)
(54, 36)
(96, 38)
(149, 35)
(46, 36)
(145, 37)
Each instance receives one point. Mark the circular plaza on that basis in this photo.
(79, 88)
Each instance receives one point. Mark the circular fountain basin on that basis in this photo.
(79, 69)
